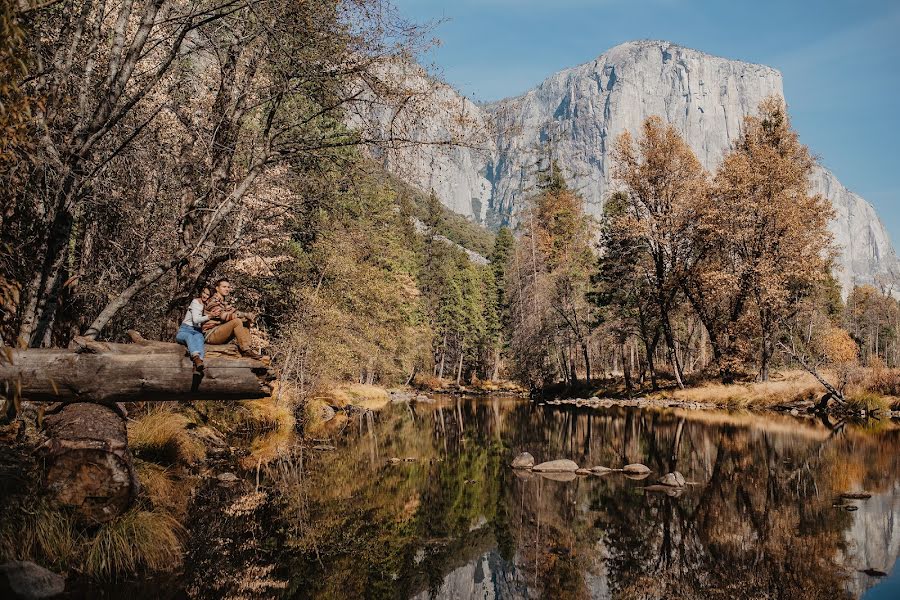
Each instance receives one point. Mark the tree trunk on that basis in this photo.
(626, 369)
(587, 362)
(443, 357)
(670, 347)
(144, 371)
(651, 366)
(88, 465)
(764, 358)
(459, 370)
(495, 372)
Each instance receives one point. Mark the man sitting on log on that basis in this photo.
(225, 323)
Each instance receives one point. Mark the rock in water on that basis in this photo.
(635, 469)
(523, 461)
(585, 108)
(562, 465)
(856, 495)
(583, 472)
(598, 470)
(674, 479)
(558, 476)
(665, 489)
(28, 581)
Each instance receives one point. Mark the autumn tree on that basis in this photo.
(763, 244)
(662, 182)
(620, 292)
(549, 279)
(159, 126)
(873, 319)
(500, 257)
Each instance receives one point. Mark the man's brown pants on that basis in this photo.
(220, 334)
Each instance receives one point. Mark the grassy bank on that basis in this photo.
(867, 389)
(175, 448)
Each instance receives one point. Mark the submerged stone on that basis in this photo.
(523, 461)
(600, 470)
(674, 479)
(559, 476)
(635, 469)
(856, 495)
(562, 465)
(665, 489)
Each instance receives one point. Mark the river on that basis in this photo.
(761, 516)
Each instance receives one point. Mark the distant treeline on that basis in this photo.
(688, 271)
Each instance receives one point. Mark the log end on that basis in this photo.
(97, 484)
(88, 466)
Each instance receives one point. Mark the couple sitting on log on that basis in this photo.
(210, 319)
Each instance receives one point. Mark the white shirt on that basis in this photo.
(195, 316)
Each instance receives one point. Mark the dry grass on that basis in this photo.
(265, 415)
(370, 397)
(162, 436)
(161, 489)
(275, 421)
(793, 386)
(44, 535)
(868, 401)
(138, 540)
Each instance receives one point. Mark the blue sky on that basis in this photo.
(840, 61)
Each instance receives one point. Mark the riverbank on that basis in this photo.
(870, 392)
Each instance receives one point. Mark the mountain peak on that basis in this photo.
(581, 111)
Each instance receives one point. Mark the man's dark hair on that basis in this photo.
(220, 281)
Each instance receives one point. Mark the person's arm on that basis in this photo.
(197, 316)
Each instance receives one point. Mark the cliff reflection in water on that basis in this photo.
(456, 522)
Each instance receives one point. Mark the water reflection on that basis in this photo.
(451, 520)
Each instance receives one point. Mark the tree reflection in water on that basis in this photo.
(757, 521)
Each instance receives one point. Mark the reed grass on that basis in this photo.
(138, 540)
(794, 386)
(163, 436)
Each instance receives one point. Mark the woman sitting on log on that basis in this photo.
(190, 333)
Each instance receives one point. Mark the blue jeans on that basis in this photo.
(191, 337)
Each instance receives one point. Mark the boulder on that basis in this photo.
(27, 581)
(599, 470)
(673, 479)
(583, 472)
(523, 461)
(562, 465)
(635, 469)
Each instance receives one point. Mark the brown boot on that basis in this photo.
(198, 363)
(250, 353)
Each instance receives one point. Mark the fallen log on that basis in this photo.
(138, 372)
(88, 465)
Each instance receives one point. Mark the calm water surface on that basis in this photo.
(452, 520)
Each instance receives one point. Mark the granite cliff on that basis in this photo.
(579, 112)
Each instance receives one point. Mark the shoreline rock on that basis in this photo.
(523, 461)
(562, 465)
